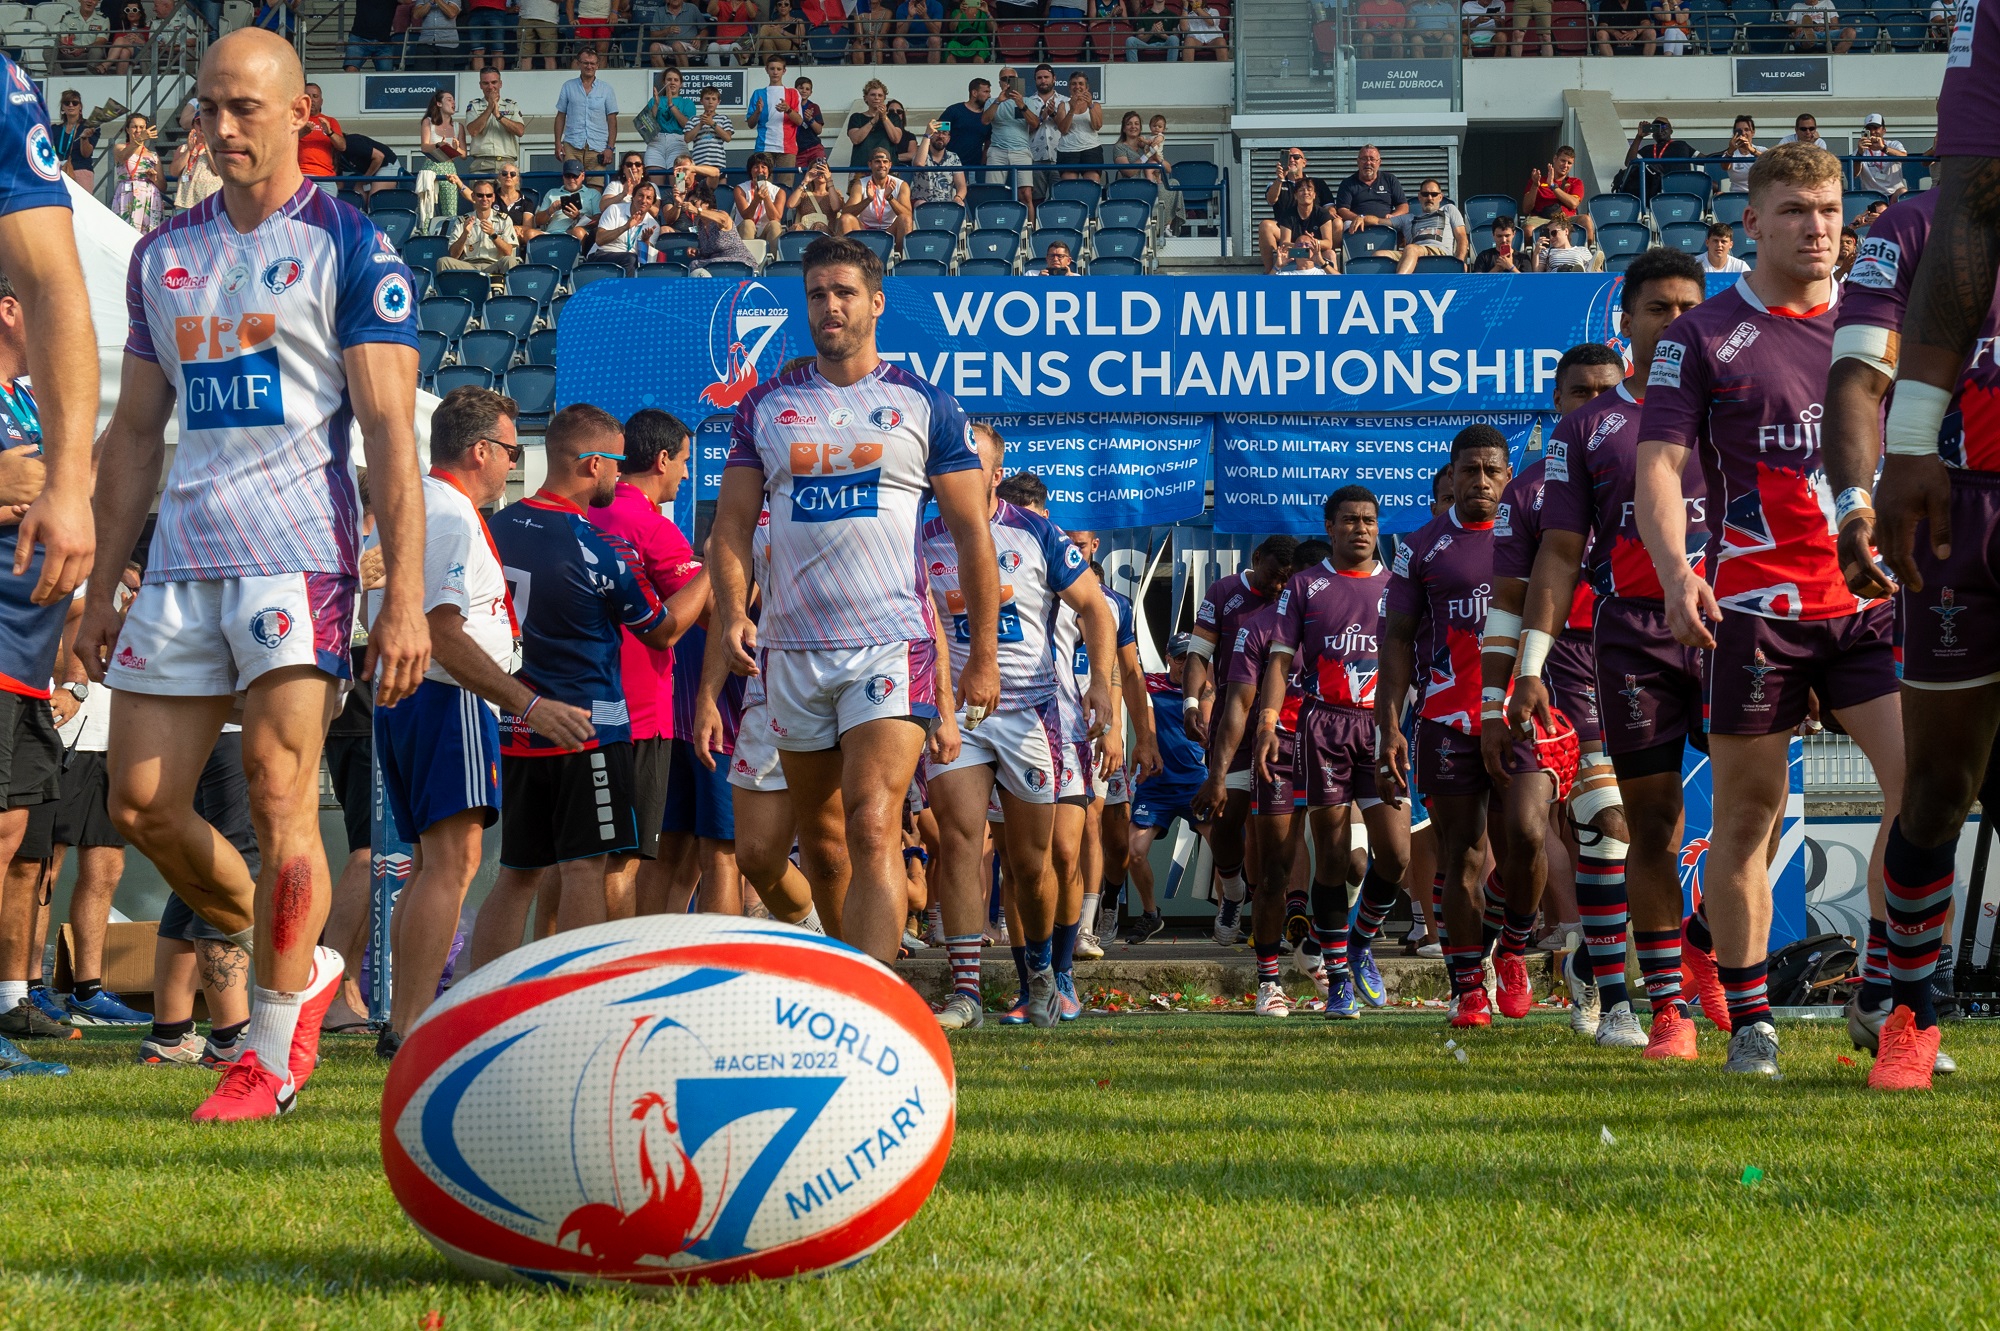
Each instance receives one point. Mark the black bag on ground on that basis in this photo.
(1800, 972)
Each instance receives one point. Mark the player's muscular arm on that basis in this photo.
(1550, 589)
(683, 608)
(944, 742)
(1194, 686)
(1270, 698)
(1852, 444)
(133, 449)
(736, 509)
(1231, 719)
(1132, 685)
(708, 730)
(38, 253)
(962, 503)
(1392, 687)
(1099, 625)
(475, 671)
(1497, 658)
(1660, 510)
(382, 383)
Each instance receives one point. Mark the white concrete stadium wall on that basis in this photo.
(1697, 89)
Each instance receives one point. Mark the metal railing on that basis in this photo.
(1836, 767)
(1715, 168)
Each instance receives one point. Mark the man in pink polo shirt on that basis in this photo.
(649, 475)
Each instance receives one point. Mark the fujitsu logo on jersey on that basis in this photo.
(1798, 438)
(1471, 607)
(1350, 639)
(1739, 342)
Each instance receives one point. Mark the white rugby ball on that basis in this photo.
(667, 1100)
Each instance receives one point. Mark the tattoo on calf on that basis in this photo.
(291, 902)
(222, 965)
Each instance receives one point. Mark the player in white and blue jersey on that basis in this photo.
(844, 453)
(280, 320)
(1022, 743)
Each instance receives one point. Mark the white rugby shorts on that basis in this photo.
(815, 696)
(205, 639)
(755, 765)
(1022, 747)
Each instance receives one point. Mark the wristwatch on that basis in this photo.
(78, 689)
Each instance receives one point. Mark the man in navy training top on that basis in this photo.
(1160, 799)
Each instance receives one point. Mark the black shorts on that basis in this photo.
(1081, 157)
(567, 806)
(81, 817)
(31, 753)
(179, 922)
(652, 759)
(350, 759)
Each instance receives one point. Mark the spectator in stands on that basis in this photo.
(487, 23)
(1879, 168)
(1739, 156)
(760, 204)
(874, 21)
(678, 35)
(493, 125)
(1673, 25)
(1870, 215)
(1433, 31)
(877, 201)
(587, 109)
(968, 33)
(195, 174)
(508, 198)
(572, 206)
(1716, 256)
(826, 30)
(1155, 29)
(708, 137)
(1652, 145)
(816, 203)
(76, 141)
(83, 36)
(677, 207)
(362, 156)
(279, 16)
(631, 170)
(1816, 24)
(715, 235)
(440, 134)
(673, 112)
(729, 43)
(1309, 221)
(1202, 31)
(1850, 245)
(1806, 130)
(1481, 22)
(1378, 29)
(783, 33)
(319, 141)
(128, 35)
(968, 122)
(1013, 121)
(485, 241)
(1057, 261)
(435, 45)
(590, 26)
(1556, 191)
(1284, 219)
(1371, 196)
(1624, 28)
(137, 197)
(1556, 251)
(1045, 101)
(1539, 12)
(1081, 120)
(625, 229)
(1132, 150)
(1301, 261)
(1436, 227)
(874, 126)
(178, 33)
(898, 113)
(1944, 19)
(812, 124)
(774, 115)
(537, 32)
(1499, 257)
(940, 176)
(919, 28)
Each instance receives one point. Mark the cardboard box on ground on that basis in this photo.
(128, 964)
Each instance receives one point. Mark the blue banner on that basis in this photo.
(1118, 346)
(1108, 472)
(1790, 920)
(1273, 472)
(711, 451)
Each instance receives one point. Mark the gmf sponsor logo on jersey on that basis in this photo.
(229, 370)
(829, 481)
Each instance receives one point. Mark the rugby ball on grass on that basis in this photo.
(668, 1100)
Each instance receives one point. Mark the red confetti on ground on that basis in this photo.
(1104, 1083)
(431, 1321)
(1844, 1061)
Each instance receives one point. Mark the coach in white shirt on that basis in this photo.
(440, 748)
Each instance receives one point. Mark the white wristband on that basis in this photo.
(1200, 646)
(1492, 693)
(1849, 502)
(1916, 418)
(1502, 623)
(1535, 646)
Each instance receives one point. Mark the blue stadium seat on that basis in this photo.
(1002, 216)
(1744, 246)
(1120, 243)
(1369, 239)
(533, 388)
(1729, 207)
(661, 270)
(1698, 183)
(1112, 265)
(393, 200)
(998, 245)
(1853, 201)
(1481, 209)
(940, 246)
(397, 225)
(423, 281)
(1047, 236)
(554, 249)
(948, 217)
(1440, 263)
(727, 268)
(1908, 29)
(674, 247)
(1129, 214)
(1624, 238)
(490, 348)
(1370, 263)
(1481, 238)
(1607, 208)
(473, 287)
(792, 245)
(978, 195)
(1618, 263)
(1766, 36)
(556, 308)
(1687, 237)
(985, 268)
(515, 315)
(431, 346)
(1086, 192)
(536, 281)
(784, 268)
(449, 315)
(1201, 191)
(462, 376)
(1715, 25)
(593, 271)
(923, 268)
(1669, 208)
(541, 347)
(882, 242)
(1133, 189)
(425, 250)
(1062, 214)
(1867, 27)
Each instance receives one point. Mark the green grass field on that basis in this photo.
(1167, 1172)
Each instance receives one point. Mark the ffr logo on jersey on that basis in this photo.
(229, 371)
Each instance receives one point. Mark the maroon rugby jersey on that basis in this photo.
(1332, 622)
(1968, 105)
(1253, 650)
(1745, 387)
(1230, 601)
(1517, 537)
(1877, 295)
(1444, 577)
(1593, 464)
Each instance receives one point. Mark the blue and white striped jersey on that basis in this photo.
(1036, 563)
(1071, 649)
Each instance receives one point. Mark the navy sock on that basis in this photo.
(1065, 945)
(1875, 964)
(1918, 884)
(1107, 897)
(1697, 929)
(1378, 898)
(1493, 920)
(1267, 963)
(85, 990)
(1039, 954)
(1021, 965)
(224, 1034)
(1745, 986)
(1516, 932)
(1660, 968)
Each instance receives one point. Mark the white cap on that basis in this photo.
(1872, 118)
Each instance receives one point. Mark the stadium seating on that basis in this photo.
(1200, 187)
(1729, 207)
(792, 269)
(1134, 189)
(397, 225)
(1063, 214)
(1855, 201)
(1624, 238)
(425, 250)
(937, 246)
(540, 348)
(1676, 207)
(1003, 215)
(555, 250)
(1369, 239)
(431, 348)
(1371, 263)
(792, 245)
(1086, 192)
(490, 348)
(533, 388)
(1698, 183)
(556, 308)
(673, 248)
(923, 268)
(515, 315)
(881, 242)
(946, 217)
(450, 315)
(394, 200)
(1112, 265)
(996, 244)
(985, 268)
(1120, 243)
(661, 270)
(977, 195)
(1481, 209)
(1688, 237)
(593, 271)
(1607, 208)
(470, 287)
(1047, 236)
(1618, 263)
(538, 282)
(462, 376)
(728, 268)
(1130, 214)
(422, 276)
(1440, 263)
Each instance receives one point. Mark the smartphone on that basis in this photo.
(1301, 251)
(573, 200)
